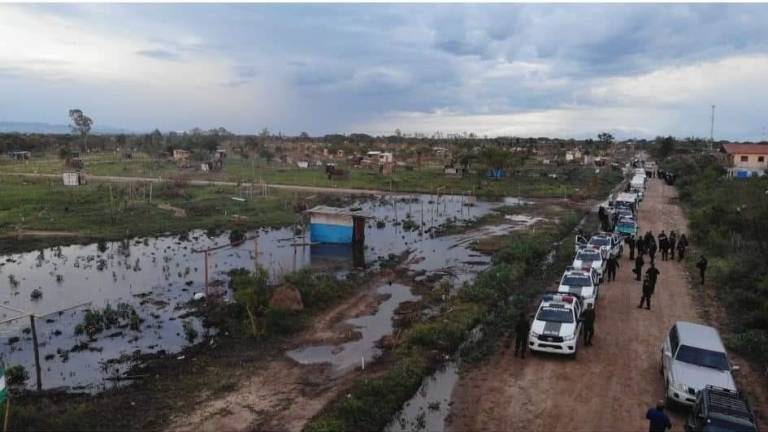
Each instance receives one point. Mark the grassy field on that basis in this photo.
(532, 180)
(104, 211)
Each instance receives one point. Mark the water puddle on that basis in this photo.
(156, 278)
(429, 407)
(371, 329)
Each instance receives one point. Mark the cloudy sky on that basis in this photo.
(526, 70)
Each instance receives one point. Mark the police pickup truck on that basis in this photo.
(583, 282)
(592, 257)
(556, 326)
(610, 243)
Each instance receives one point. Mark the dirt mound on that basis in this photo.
(287, 297)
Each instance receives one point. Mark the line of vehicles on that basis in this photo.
(694, 362)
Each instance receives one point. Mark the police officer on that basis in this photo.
(631, 244)
(610, 268)
(702, 266)
(647, 293)
(521, 335)
(681, 245)
(652, 274)
(672, 244)
(588, 319)
(664, 246)
(652, 251)
(639, 263)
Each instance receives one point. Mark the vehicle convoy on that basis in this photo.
(626, 226)
(591, 257)
(583, 282)
(717, 409)
(693, 357)
(556, 326)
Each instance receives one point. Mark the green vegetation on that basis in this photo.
(104, 211)
(493, 301)
(16, 375)
(727, 225)
(529, 179)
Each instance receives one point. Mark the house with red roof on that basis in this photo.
(746, 160)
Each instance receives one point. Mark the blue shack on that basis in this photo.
(337, 225)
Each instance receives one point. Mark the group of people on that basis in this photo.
(666, 244)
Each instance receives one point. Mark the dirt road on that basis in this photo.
(611, 384)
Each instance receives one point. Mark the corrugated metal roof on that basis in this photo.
(338, 211)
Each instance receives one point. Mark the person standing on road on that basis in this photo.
(681, 245)
(640, 243)
(702, 266)
(631, 244)
(657, 419)
(652, 251)
(521, 335)
(672, 244)
(647, 293)
(652, 274)
(639, 263)
(664, 246)
(610, 268)
(588, 319)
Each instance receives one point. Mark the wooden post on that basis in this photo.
(206, 275)
(7, 412)
(37, 352)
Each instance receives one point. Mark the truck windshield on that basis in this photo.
(600, 241)
(702, 357)
(579, 281)
(588, 256)
(550, 314)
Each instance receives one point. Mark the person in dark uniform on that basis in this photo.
(588, 319)
(681, 245)
(647, 293)
(652, 251)
(702, 266)
(631, 244)
(640, 243)
(657, 420)
(610, 268)
(663, 246)
(521, 335)
(672, 244)
(639, 263)
(652, 274)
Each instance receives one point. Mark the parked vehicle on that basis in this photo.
(591, 257)
(583, 282)
(718, 409)
(626, 226)
(693, 357)
(556, 327)
(610, 243)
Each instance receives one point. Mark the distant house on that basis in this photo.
(73, 178)
(337, 225)
(746, 160)
(19, 155)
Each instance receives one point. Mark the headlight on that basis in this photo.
(682, 388)
(534, 334)
(569, 338)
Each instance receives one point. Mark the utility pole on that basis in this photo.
(712, 130)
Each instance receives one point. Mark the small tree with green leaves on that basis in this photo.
(253, 293)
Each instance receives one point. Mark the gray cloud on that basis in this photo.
(159, 54)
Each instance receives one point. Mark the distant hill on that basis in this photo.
(47, 128)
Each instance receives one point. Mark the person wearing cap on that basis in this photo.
(657, 419)
(588, 318)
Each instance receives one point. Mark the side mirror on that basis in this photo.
(735, 368)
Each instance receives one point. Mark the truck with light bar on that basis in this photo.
(592, 257)
(583, 282)
(556, 327)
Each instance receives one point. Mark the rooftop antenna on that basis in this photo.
(712, 130)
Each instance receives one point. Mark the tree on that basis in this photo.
(665, 147)
(605, 138)
(81, 124)
(493, 157)
(252, 292)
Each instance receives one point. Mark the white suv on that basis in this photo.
(556, 327)
(611, 243)
(583, 282)
(591, 256)
(693, 357)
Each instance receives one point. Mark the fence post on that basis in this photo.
(37, 352)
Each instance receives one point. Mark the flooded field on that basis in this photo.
(148, 285)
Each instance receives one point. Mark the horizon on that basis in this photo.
(533, 70)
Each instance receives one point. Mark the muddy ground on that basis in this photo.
(278, 393)
(611, 384)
